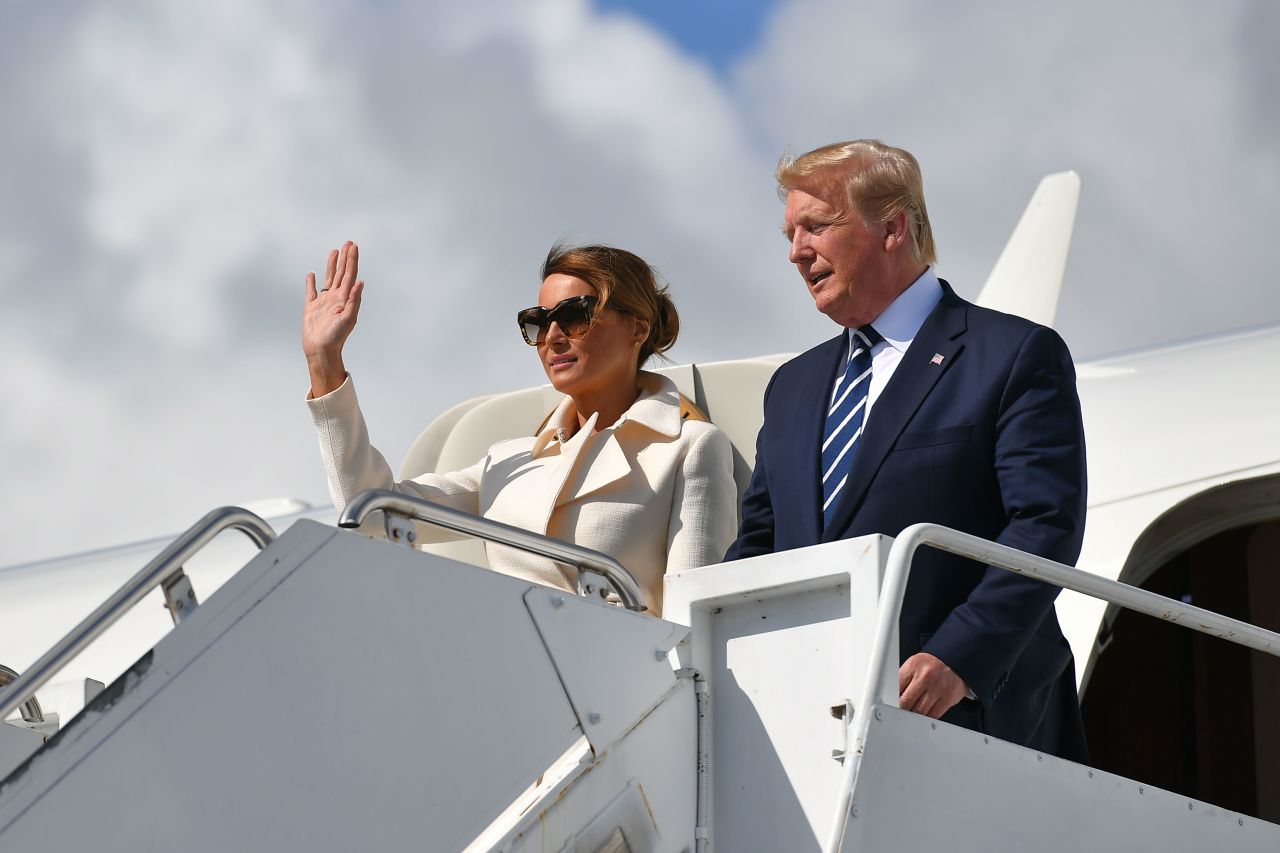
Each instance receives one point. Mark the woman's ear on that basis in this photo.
(640, 333)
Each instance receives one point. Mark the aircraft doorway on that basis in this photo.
(1188, 712)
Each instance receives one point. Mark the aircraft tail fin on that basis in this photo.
(1027, 278)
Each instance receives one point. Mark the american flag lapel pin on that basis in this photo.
(937, 358)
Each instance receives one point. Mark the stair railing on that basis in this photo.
(164, 571)
(401, 510)
(894, 587)
(31, 712)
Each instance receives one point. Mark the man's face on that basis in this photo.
(845, 261)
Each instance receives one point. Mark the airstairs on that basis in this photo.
(346, 693)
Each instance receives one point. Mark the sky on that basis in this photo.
(716, 31)
(170, 172)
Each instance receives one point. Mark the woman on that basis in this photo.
(614, 468)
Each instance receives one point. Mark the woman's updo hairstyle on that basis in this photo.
(625, 282)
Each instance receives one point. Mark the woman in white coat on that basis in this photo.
(615, 468)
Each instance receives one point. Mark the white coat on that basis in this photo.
(652, 491)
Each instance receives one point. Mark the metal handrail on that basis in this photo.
(31, 711)
(894, 586)
(166, 564)
(365, 503)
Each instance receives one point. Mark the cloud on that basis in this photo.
(1157, 105)
(188, 165)
(172, 171)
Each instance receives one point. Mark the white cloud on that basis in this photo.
(218, 150)
(1155, 104)
(172, 171)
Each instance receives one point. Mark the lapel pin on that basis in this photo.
(937, 358)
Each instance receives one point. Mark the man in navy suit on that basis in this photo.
(925, 408)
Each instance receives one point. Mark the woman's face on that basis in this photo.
(602, 361)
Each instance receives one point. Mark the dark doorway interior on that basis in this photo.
(1191, 713)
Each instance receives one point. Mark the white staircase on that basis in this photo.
(345, 693)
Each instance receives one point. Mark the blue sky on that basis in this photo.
(717, 31)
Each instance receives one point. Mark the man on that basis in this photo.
(925, 408)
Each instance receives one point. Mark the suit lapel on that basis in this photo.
(916, 375)
(810, 422)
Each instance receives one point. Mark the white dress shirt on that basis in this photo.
(898, 325)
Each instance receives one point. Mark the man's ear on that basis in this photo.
(895, 233)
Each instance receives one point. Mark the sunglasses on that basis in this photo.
(574, 316)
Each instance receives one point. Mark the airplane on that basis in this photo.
(1184, 501)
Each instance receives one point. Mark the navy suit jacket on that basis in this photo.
(989, 441)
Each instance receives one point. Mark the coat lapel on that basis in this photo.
(592, 467)
(594, 461)
(539, 489)
(916, 375)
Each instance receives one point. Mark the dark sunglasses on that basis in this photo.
(574, 316)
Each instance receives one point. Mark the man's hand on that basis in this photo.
(928, 686)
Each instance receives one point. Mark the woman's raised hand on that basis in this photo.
(328, 316)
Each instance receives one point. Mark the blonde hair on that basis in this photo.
(625, 282)
(880, 182)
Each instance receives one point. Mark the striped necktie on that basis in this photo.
(845, 418)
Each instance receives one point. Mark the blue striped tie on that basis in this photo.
(845, 418)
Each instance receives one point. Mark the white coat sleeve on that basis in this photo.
(353, 464)
(704, 508)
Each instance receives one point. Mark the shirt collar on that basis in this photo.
(657, 408)
(901, 321)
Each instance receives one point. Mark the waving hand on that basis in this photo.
(328, 316)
